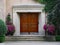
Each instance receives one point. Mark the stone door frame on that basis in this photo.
(28, 8)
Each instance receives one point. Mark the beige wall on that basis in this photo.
(10, 3)
(2, 9)
(6, 6)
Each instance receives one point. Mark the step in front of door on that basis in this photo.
(24, 38)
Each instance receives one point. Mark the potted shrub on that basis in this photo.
(49, 31)
(3, 31)
(10, 26)
(45, 28)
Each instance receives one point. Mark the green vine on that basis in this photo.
(52, 7)
(49, 4)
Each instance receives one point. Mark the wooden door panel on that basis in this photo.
(29, 22)
(23, 18)
(24, 28)
(33, 28)
(23, 23)
(33, 24)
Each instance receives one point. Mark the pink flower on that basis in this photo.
(45, 27)
(10, 28)
(51, 28)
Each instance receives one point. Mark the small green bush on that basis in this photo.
(2, 38)
(3, 30)
(57, 35)
(10, 25)
(58, 38)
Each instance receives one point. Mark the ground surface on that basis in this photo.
(31, 43)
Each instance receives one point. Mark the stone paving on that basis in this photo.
(2, 43)
(31, 43)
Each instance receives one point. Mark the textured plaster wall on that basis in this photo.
(2, 9)
(10, 3)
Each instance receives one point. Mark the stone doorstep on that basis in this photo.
(24, 38)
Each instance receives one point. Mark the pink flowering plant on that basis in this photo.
(10, 26)
(11, 29)
(50, 28)
(45, 27)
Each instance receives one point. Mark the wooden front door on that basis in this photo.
(28, 22)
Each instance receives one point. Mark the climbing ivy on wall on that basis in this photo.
(52, 7)
(49, 4)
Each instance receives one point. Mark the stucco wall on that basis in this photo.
(2, 9)
(10, 3)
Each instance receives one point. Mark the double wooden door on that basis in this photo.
(28, 22)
